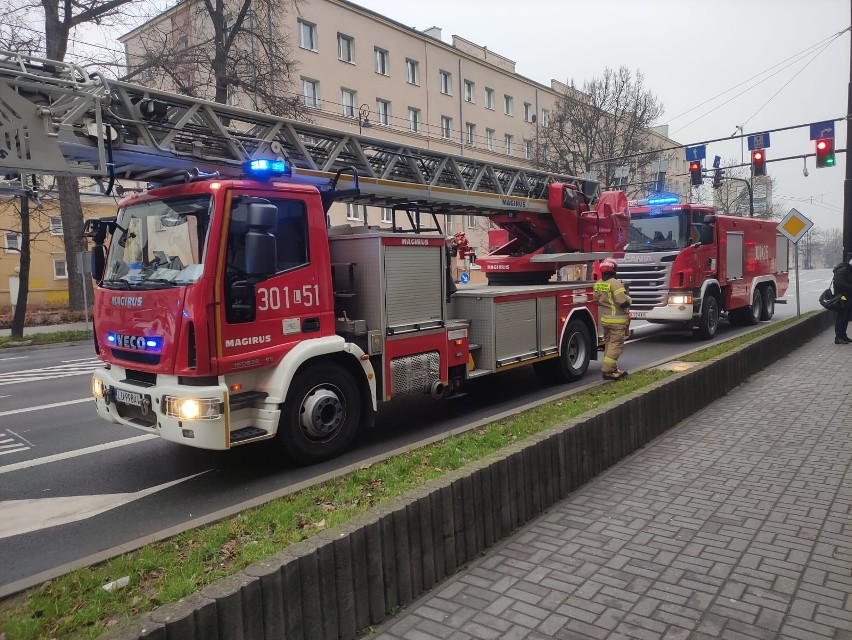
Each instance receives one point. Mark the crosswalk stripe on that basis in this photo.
(47, 373)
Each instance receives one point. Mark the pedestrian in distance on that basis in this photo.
(613, 304)
(842, 285)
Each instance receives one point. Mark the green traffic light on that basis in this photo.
(829, 162)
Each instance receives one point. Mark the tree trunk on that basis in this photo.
(72, 236)
(24, 273)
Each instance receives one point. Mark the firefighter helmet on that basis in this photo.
(608, 265)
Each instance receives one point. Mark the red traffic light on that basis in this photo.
(758, 163)
(825, 152)
(695, 166)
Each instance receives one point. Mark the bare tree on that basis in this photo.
(610, 117)
(225, 51)
(732, 195)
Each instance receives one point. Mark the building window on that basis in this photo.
(60, 269)
(349, 99)
(508, 105)
(412, 71)
(383, 111)
(545, 117)
(356, 211)
(528, 112)
(508, 140)
(471, 222)
(387, 214)
(310, 93)
(489, 98)
(446, 79)
(528, 149)
(382, 62)
(470, 129)
(55, 226)
(346, 48)
(307, 35)
(413, 119)
(446, 127)
(13, 242)
(469, 91)
(490, 139)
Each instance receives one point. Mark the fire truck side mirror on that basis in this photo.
(261, 247)
(569, 198)
(98, 262)
(707, 232)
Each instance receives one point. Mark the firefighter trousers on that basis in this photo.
(614, 336)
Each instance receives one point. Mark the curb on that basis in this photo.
(339, 582)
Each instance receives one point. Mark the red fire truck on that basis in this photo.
(686, 265)
(228, 312)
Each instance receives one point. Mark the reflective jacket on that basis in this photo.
(612, 300)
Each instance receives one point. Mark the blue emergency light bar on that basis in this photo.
(661, 200)
(263, 168)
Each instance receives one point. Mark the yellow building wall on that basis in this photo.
(46, 290)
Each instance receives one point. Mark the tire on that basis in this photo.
(320, 418)
(768, 308)
(708, 323)
(574, 357)
(752, 314)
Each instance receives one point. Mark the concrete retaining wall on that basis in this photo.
(343, 580)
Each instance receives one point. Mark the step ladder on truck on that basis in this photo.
(228, 311)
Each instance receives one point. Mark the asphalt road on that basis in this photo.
(74, 489)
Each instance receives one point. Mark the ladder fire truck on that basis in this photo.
(227, 311)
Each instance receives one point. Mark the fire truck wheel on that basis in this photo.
(709, 320)
(321, 415)
(756, 310)
(768, 309)
(574, 358)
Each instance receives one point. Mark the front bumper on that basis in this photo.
(119, 405)
(667, 314)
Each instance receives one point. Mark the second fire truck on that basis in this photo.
(687, 266)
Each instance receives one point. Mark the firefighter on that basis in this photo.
(613, 303)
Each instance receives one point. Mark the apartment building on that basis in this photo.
(48, 280)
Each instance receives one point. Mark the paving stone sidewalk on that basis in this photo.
(735, 524)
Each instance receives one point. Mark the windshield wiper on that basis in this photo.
(115, 284)
(168, 283)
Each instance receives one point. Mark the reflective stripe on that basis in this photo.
(609, 360)
(617, 291)
(615, 320)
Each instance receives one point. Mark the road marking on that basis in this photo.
(25, 516)
(48, 373)
(15, 358)
(10, 445)
(66, 455)
(52, 405)
(77, 360)
(20, 437)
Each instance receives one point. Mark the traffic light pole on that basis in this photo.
(847, 183)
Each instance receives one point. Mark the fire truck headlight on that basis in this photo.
(192, 408)
(97, 387)
(680, 298)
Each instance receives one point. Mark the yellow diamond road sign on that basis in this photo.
(794, 225)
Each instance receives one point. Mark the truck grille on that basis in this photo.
(647, 283)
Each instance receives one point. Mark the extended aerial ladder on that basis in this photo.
(58, 119)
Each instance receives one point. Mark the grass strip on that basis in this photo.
(45, 338)
(76, 606)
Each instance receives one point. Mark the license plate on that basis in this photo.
(128, 397)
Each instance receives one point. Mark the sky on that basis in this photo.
(689, 52)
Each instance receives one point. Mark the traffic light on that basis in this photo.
(758, 163)
(695, 173)
(825, 152)
(717, 178)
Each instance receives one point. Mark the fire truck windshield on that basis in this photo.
(159, 243)
(658, 231)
